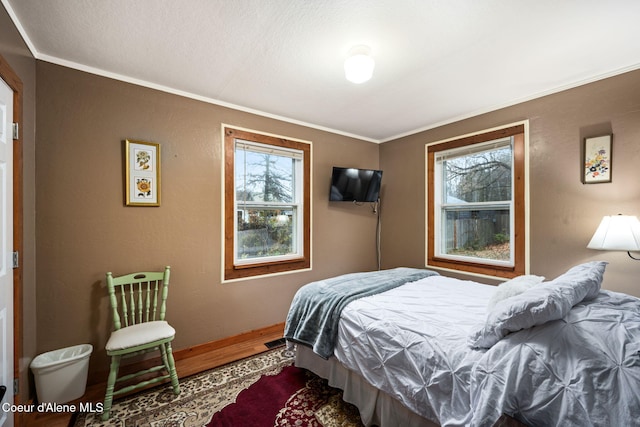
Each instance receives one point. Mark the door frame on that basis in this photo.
(11, 78)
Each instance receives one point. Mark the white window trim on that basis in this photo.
(297, 204)
(487, 261)
(440, 207)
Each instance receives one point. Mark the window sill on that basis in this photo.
(241, 271)
(474, 268)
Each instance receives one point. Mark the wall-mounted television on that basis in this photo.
(355, 185)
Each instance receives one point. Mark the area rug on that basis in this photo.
(263, 390)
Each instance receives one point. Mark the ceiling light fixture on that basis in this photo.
(358, 68)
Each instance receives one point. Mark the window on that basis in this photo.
(267, 204)
(476, 203)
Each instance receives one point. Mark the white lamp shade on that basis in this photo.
(358, 68)
(617, 233)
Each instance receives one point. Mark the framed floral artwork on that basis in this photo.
(597, 160)
(142, 176)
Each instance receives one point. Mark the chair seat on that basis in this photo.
(142, 333)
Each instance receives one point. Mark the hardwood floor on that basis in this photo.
(188, 362)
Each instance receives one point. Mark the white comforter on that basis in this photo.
(411, 342)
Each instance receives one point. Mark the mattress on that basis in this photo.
(411, 343)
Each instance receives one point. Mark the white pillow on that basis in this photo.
(539, 304)
(587, 277)
(513, 287)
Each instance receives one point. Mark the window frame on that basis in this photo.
(519, 215)
(267, 265)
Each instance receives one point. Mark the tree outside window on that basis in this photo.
(267, 204)
(475, 206)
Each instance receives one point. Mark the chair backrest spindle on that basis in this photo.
(165, 293)
(132, 303)
(125, 305)
(156, 290)
(139, 306)
(147, 300)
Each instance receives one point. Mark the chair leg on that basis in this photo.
(165, 361)
(111, 382)
(172, 369)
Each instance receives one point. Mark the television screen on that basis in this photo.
(355, 185)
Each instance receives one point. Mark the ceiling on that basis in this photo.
(437, 61)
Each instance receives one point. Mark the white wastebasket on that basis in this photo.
(61, 375)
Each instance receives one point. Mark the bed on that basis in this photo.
(430, 350)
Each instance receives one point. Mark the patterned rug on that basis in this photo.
(264, 390)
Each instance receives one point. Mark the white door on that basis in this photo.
(6, 251)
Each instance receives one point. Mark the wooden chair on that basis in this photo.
(139, 327)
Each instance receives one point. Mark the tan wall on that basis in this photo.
(564, 212)
(84, 229)
(16, 53)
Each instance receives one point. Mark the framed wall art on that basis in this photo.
(597, 159)
(142, 176)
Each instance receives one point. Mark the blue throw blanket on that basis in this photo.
(316, 307)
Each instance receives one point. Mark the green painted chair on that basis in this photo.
(139, 301)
